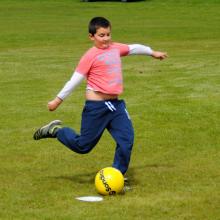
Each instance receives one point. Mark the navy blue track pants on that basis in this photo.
(96, 116)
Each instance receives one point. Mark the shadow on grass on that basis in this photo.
(79, 178)
(132, 178)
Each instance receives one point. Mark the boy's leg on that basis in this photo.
(122, 131)
(78, 143)
(94, 121)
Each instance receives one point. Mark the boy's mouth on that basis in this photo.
(106, 44)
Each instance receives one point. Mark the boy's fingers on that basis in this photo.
(163, 56)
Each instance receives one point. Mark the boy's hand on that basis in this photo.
(159, 55)
(52, 105)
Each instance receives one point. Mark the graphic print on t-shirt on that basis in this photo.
(111, 59)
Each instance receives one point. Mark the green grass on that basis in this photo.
(174, 104)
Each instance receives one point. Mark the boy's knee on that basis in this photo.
(84, 150)
(80, 149)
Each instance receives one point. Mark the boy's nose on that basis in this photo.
(106, 38)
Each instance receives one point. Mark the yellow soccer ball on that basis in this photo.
(109, 181)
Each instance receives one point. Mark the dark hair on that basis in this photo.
(98, 22)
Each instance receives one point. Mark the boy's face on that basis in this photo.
(102, 37)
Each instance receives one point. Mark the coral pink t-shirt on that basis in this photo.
(102, 68)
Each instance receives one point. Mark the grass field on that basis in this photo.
(174, 104)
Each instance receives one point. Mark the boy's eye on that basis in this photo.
(102, 35)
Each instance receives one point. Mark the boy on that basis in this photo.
(101, 66)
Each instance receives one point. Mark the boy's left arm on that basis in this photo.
(139, 49)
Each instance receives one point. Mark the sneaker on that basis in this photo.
(127, 188)
(126, 179)
(48, 131)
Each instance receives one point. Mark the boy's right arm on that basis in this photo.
(75, 80)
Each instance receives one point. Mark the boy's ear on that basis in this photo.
(91, 37)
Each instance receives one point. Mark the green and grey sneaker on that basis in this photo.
(48, 131)
(126, 179)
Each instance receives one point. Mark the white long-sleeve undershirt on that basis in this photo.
(77, 78)
(138, 49)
